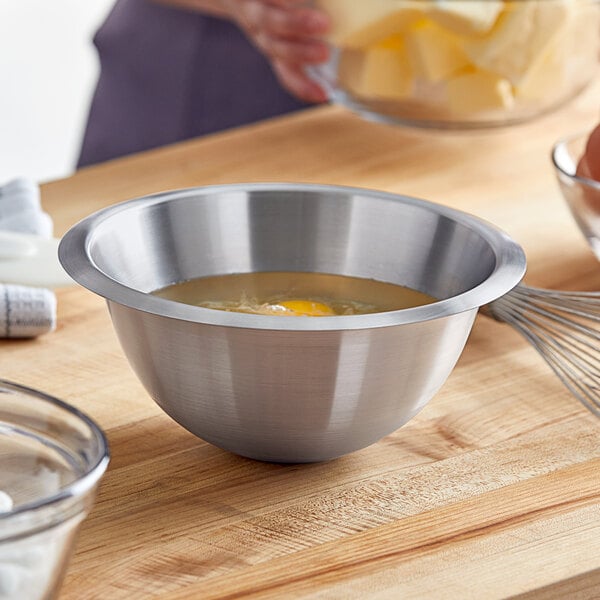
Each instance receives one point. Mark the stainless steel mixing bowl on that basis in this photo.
(290, 389)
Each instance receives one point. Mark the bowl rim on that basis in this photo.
(81, 484)
(74, 255)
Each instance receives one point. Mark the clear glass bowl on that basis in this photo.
(51, 459)
(458, 64)
(582, 194)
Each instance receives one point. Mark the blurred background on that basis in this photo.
(48, 70)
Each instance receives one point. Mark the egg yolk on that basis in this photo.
(302, 308)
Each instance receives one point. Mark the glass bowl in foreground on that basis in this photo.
(51, 459)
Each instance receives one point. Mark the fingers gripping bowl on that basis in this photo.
(292, 389)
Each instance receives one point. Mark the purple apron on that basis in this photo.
(167, 75)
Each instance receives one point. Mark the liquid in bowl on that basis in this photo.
(294, 294)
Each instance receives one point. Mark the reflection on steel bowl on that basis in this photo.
(459, 64)
(295, 389)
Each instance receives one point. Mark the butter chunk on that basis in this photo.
(360, 23)
(466, 17)
(478, 91)
(382, 71)
(523, 33)
(435, 53)
(563, 67)
(547, 76)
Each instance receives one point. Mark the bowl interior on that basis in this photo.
(149, 243)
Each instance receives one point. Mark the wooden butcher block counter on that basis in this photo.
(492, 491)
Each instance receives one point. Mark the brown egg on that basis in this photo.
(592, 153)
(589, 165)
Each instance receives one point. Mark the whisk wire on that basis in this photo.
(556, 327)
(586, 393)
(559, 325)
(558, 340)
(576, 349)
(555, 318)
(580, 304)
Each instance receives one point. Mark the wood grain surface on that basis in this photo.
(492, 491)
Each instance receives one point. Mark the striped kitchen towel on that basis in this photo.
(26, 311)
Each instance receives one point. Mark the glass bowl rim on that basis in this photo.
(95, 468)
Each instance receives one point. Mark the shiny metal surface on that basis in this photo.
(290, 389)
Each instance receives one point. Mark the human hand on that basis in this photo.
(286, 32)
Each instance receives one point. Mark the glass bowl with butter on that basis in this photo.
(458, 63)
(51, 459)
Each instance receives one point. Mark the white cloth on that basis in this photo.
(21, 209)
(25, 311)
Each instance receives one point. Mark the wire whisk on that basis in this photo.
(563, 327)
